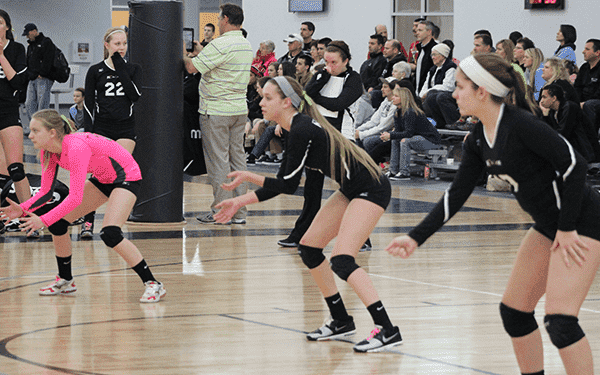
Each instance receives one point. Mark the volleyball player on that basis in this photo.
(560, 254)
(116, 179)
(350, 214)
(111, 88)
(13, 77)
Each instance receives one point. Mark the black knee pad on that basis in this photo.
(564, 330)
(343, 266)
(517, 323)
(16, 171)
(111, 235)
(59, 228)
(311, 256)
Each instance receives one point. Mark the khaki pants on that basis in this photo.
(223, 143)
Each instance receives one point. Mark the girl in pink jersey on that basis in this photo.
(116, 179)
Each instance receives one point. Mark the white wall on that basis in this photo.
(349, 20)
(503, 17)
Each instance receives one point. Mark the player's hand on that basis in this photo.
(571, 247)
(402, 247)
(238, 177)
(227, 209)
(12, 211)
(31, 223)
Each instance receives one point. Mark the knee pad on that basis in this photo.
(59, 228)
(343, 266)
(517, 323)
(16, 171)
(111, 235)
(312, 257)
(564, 330)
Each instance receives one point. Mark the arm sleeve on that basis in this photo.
(21, 78)
(471, 167)
(89, 103)
(350, 93)
(78, 160)
(129, 83)
(47, 183)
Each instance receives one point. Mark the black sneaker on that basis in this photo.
(274, 159)
(251, 159)
(332, 329)
(262, 159)
(288, 243)
(87, 230)
(379, 340)
(400, 177)
(366, 246)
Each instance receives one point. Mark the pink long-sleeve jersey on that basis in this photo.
(83, 153)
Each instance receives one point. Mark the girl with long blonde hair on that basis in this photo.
(350, 214)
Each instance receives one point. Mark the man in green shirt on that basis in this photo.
(225, 66)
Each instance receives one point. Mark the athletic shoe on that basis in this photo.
(87, 230)
(400, 177)
(154, 291)
(366, 246)
(237, 221)
(79, 221)
(208, 218)
(332, 329)
(262, 159)
(251, 159)
(274, 159)
(59, 286)
(379, 340)
(13, 226)
(2, 227)
(467, 126)
(288, 243)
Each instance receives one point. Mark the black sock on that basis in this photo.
(64, 267)
(380, 316)
(534, 373)
(143, 271)
(90, 217)
(337, 308)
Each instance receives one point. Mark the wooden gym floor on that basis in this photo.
(237, 303)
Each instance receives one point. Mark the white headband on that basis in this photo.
(115, 31)
(482, 77)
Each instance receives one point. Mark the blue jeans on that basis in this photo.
(38, 95)
(400, 157)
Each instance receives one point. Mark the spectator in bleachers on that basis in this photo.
(368, 134)
(436, 93)
(287, 68)
(515, 36)
(533, 62)
(555, 72)
(402, 71)
(520, 47)
(572, 69)
(209, 33)
(587, 83)
(426, 43)
(321, 47)
(273, 69)
(482, 43)
(413, 51)
(566, 36)
(567, 118)
(303, 65)
(295, 44)
(314, 52)
(265, 55)
(486, 32)
(307, 29)
(505, 48)
(372, 68)
(392, 54)
(412, 131)
(382, 30)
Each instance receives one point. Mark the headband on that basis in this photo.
(482, 77)
(115, 31)
(288, 91)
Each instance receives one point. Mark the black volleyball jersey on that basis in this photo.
(307, 145)
(546, 174)
(110, 94)
(15, 54)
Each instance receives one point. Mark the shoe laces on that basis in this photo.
(373, 333)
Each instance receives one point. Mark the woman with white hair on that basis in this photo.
(265, 54)
(438, 87)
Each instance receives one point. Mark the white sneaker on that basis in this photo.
(59, 286)
(154, 291)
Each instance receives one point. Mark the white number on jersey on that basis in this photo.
(110, 89)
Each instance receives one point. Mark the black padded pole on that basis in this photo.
(156, 43)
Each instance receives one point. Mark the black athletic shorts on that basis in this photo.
(588, 223)
(379, 193)
(10, 118)
(114, 132)
(106, 189)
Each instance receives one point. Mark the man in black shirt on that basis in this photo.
(587, 84)
(40, 56)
